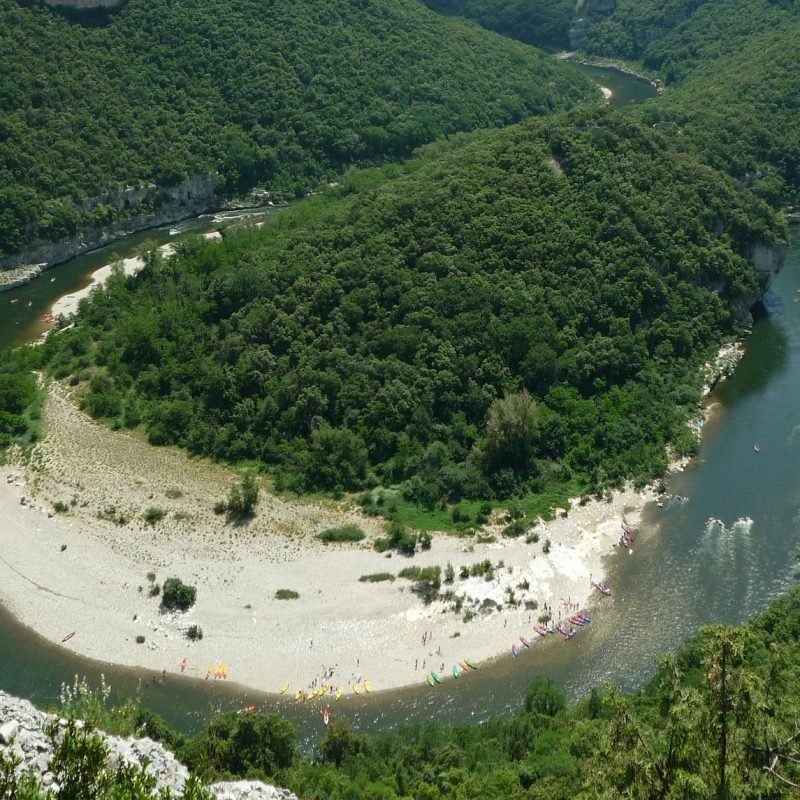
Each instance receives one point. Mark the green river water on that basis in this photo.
(720, 555)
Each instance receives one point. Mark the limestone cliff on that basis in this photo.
(23, 735)
(138, 208)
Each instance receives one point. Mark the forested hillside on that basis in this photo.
(730, 68)
(544, 23)
(279, 93)
(520, 310)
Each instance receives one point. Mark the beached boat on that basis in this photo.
(430, 680)
(627, 529)
(541, 630)
(602, 588)
(356, 690)
(339, 693)
(471, 664)
(284, 688)
(367, 687)
(562, 628)
(464, 666)
(525, 642)
(436, 677)
(298, 694)
(456, 671)
(68, 636)
(514, 650)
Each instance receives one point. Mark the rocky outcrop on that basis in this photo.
(140, 207)
(23, 734)
(767, 259)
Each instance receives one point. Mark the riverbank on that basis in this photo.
(612, 64)
(382, 632)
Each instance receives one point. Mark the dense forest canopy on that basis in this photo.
(730, 68)
(277, 93)
(544, 23)
(521, 308)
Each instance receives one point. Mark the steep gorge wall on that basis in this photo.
(140, 208)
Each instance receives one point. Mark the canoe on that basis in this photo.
(367, 686)
(464, 666)
(436, 677)
(68, 636)
(471, 664)
(514, 650)
(339, 693)
(326, 716)
(298, 694)
(430, 680)
(541, 630)
(356, 690)
(601, 587)
(525, 642)
(456, 671)
(284, 688)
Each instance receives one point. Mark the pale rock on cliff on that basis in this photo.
(145, 207)
(22, 733)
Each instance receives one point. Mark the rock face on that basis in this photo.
(143, 206)
(767, 259)
(22, 733)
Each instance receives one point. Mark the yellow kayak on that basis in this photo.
(284, 688)
(339, 693)
(368, 686)
(355, 689)
(298, 694)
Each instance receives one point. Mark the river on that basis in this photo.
(685, 571)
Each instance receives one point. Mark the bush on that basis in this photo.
(286, 594)
(348, 533)
(242, 499)
(60, 508)
(154, 514)
(177, 594)
(140, 639)
(155, 590)
(195, 633)
(377, 577)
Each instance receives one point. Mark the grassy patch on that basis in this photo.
(286, 594)
(154, 514)
(377, 577)
(347, 533)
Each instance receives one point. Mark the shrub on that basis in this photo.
(242, 498)
(377, 577)
(173, 493)
(155, 590)
(286, 594)
(220, 507)
(516, 528)
(347, 533)
(449, 573)
(140, 639)
(194, 633)
(459, 515)
(60, 508)
(177, 594)
(154, 514)
(546, 546)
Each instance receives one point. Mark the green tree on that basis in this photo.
(512, 433)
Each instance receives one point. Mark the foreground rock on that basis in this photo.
(22, 733)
